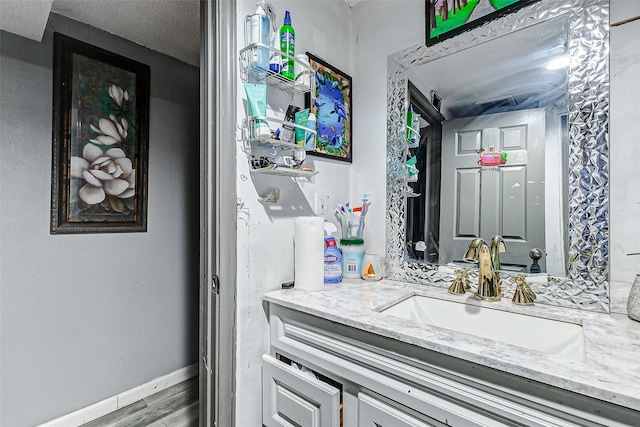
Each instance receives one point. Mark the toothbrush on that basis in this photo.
(365, 203)
(338, 216)
(341, 217)
(360, 227)
(363, 213)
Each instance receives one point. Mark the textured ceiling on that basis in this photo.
(27, 18)
(168, 26)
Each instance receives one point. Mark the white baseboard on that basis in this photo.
(123, 399)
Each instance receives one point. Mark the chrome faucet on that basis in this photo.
(489, 282)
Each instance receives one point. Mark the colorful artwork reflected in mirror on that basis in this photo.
(448, 18)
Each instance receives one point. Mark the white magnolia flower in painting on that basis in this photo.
(109, 174)
(118, 94)
(112, 131)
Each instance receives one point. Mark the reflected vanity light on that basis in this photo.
(558, 63)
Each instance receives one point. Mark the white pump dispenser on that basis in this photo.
(260, 32)
(275, 61)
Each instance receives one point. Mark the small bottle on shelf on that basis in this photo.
(310, 138)
(301, 71)
(275, 61)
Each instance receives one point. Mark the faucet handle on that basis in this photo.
(465, 278)
(523, 294)
(461, 284)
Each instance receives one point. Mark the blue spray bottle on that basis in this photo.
(332, 256)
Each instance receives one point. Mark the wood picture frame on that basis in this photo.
(448, 18)
(330, 101)
(100, 140)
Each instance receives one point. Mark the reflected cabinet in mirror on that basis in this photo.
(507, 136)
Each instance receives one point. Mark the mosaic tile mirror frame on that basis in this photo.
(586, 284)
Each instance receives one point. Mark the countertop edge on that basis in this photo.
(439, 340)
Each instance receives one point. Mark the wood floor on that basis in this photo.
(176, 406)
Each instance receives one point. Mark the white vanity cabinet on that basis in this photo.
(291, 398)
(375, 381)
(373, 412)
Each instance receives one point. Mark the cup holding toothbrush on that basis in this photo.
(355, 225)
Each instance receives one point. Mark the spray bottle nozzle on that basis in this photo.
(329, 228)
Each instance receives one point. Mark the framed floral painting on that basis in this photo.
(100, 140)
(330, 101)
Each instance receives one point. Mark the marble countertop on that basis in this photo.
(611, 371)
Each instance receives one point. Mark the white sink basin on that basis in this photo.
(536, 333)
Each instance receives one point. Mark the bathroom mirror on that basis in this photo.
(512, 101)
(499, 88)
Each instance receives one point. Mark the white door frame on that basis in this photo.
(218, 70)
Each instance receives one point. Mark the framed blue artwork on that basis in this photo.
(330, 101)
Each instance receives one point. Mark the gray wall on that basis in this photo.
(86, 317)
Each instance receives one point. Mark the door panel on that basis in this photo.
(513, 138)
(293, 399)
(468, 143)
(486, 201)
(468, 199)
(514, 203)
(374, 413)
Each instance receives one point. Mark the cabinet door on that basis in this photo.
(374, 413)
(293, 399)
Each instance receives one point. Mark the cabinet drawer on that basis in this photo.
(374, 413)
(293, 399)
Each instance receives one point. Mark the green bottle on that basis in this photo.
(287, 46)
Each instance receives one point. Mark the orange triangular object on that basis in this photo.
(369, 271)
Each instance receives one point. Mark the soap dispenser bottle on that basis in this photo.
(259, 31)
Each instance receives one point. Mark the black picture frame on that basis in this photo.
(100, 140)
(436, 35)
(330, 100)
